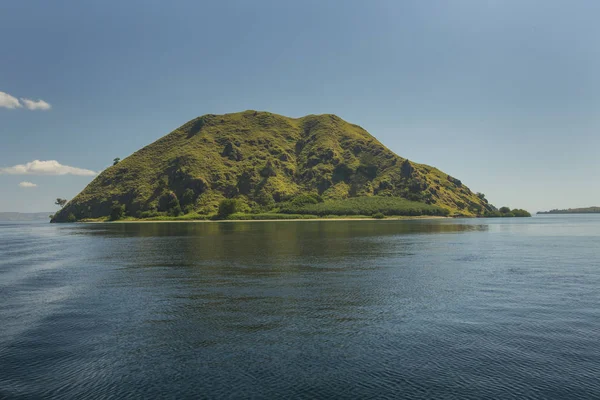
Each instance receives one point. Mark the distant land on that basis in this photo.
(584, 210)
(259, 165)
(16, 216)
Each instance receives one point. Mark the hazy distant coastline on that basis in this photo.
(584, 210)
(17, 216)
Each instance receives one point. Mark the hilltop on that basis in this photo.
(271, 163)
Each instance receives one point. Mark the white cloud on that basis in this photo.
(8, 101)
(50, 167)
(35, 105)
(27, 185)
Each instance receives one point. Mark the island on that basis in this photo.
(584, 210)
(259, 165)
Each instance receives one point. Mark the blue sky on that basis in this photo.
(503, 94)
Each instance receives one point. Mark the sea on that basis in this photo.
(505, 308)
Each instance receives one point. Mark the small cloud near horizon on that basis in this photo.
(11, 102)
(26, 184)
(50, 167)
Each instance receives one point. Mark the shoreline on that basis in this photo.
(398, 218)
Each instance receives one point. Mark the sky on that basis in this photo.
(504, 94)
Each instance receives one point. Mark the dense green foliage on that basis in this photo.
(117, 212)
(265, 162)
(228, 207)
(517, 212)
(507, 212)
(585, 210)
(169, 203)
(366, 206)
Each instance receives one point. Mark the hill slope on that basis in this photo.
(264, 159)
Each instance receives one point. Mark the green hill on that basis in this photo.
(270, 163)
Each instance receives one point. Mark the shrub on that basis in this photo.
(303, 199)
(169, 203)
(378, 215)
(228, 207)
(148, 214)
(188, 197)
(504, 210)
(71, 218)
(265, 199)
(175, 211)
(117, 212)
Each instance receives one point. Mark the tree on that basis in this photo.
(517, 212)
(227, 207)
(504, 210)
(60, 202)
(116, 161)
(304, 199)
(170, 203)
(188, 197)
(117, 211)
(265, 199)
(187, 201)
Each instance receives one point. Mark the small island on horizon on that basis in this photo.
(255, 165)
(583, 210)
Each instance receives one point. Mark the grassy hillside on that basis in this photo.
(265, 161)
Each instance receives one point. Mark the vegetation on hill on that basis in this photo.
(269, 163)
(584, 210)
(507, 212)
(368, 205)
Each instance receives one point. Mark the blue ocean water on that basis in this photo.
(424, 309)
